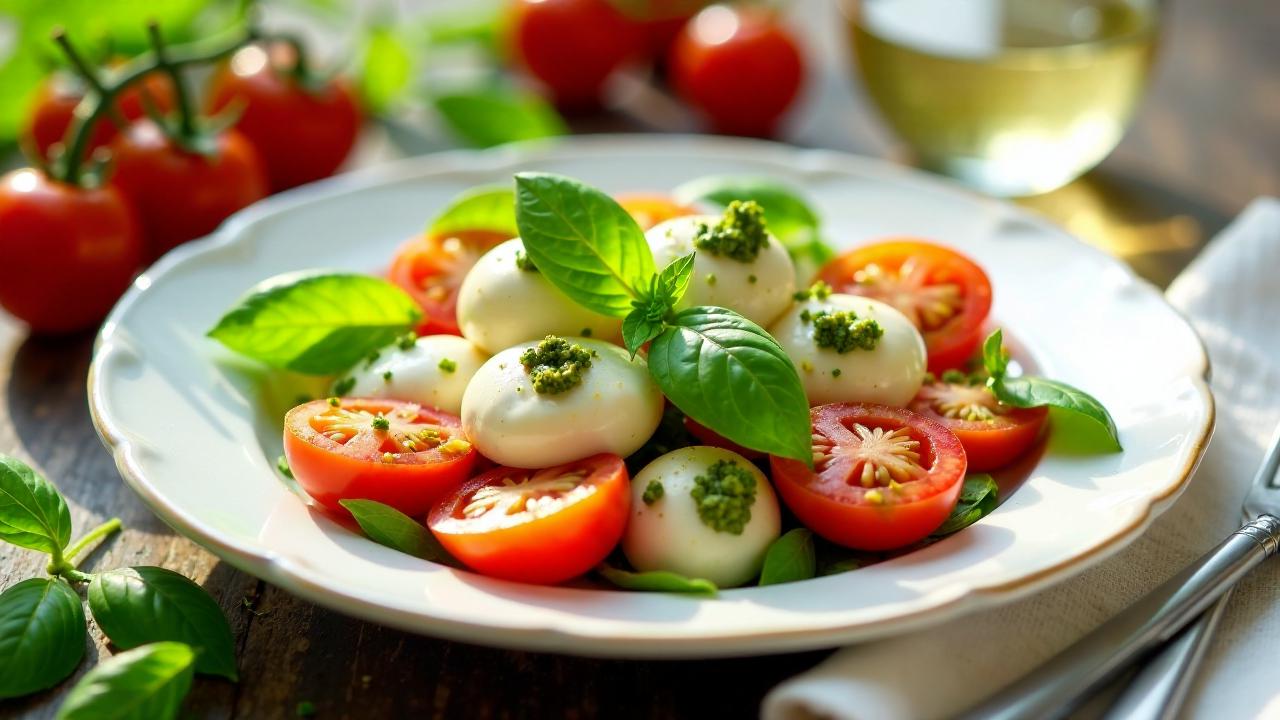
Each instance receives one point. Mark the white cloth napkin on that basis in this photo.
(1231, 293)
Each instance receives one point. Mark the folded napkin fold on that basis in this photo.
(1231, 294)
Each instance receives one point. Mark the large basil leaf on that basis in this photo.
(728, 374)
(318, 323)
(148, 683)
(42, 634)
(978, 497)
(790, 558)
(583, 242)
(32, 512)
(388, 526)
(140, 605)
(656, 581)
(495, 116)
(490, 207)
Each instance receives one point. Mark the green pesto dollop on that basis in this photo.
(381, 423)
(740, 234)
(817, 291)
(843, 331)
(556, 365)
(653, 492)
(724, 496)
(524, 263)
(447, 365)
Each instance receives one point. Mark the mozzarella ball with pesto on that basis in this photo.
(701, 512)
(433, 370)
(504, 301)
(739, 265)
(545, 403)
(852, 349)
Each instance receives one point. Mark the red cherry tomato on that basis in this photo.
(993, 434)
(662, 21)
(431, 268)
(536, 526)
(301, 133)
(56, 101)
(739, 66)
(68, 251)
(707, 436)
(946, 295)
(572, 46)
(181, 195)
(344, 452)
(883, 477)
(652, 209)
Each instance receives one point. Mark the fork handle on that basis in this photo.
(1060, 685)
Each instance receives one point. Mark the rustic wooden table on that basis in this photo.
(1206, 142)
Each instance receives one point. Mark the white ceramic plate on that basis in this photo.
(190, 436)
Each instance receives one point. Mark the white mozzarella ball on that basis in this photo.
(435, 372)
(890, 374)
(758, 290)
(615, 409)
(500, 305)
(669, 534)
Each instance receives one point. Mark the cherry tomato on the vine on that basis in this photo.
(302, 133)
(739, 66)
(431, 268)
(993, 434)
(68, 251)
(61, 92)
(182, 195)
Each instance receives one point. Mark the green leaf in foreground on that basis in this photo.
(33, 513)
(656, 581)
(789, 558)
(490, 207)
(317, 323)
(583, 242)
(978, 497)
(387, 526)
(147, 683)
(140, 605)
(42, 634)
(492, 117)
(728, 374)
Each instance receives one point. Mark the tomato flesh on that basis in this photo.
(536, 526)
(342, 452)
(430, 268)
(883, 477)
(993, 434)
(946, 295)
(650, 210)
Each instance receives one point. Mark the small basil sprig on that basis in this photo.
(719, 368)
(656, 581)
(790, 558)
(388, 526)
(42, 621)
(979, 496)
(1028, 392)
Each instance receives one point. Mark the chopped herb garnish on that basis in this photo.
(556, 365)
(843, 331)
(447, 365)
(334, 402)
(343, 386)
(586, 332)
(724, 496)
(837, 372)
(386, 376)
(817, 291)
(653, 492)
(524, 262)
(380, 422)
(711, 278)
(752, 279)
(407, 341)
(740, 234)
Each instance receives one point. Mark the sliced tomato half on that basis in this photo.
(946, 295)
(883, 477)
(993, 434)
(401, 454)
(653, 209)
(431, 268)
(536, 526)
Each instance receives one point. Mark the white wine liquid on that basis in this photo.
(1015, 97)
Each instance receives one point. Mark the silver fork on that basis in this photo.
(1060, 685)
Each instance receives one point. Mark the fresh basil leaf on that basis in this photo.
(386, 68)
(147, 683)
(978, 497)
(492, 117)
(1027, 392)
(489, 207)
(656, 581)
(583, 242)
(789, 558)
(728, 374)
(673, 280)
(139, 605)
(317, 323)
(994, 359)
(387, 526)
(789, 217)
(640, 327)
(32, 512)
(841, 566)
(42, 632)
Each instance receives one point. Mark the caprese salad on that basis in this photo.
(675, 393)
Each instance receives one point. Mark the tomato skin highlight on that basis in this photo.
(543, 550)
(68, 252)
(424, 259)
(990, 444)
(301, 134)
(950, 344)
(838, 509)
(331, 471)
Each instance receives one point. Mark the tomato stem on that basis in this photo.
(86, 72)
(181, 96)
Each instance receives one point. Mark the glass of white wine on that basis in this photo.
(1013, 97)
